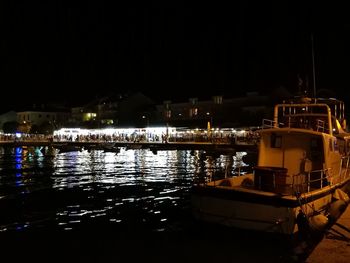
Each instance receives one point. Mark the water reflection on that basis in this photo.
(18, 165)
(130, 189)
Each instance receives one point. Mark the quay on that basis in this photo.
(224, 141)
(217, 147)
(335, 245)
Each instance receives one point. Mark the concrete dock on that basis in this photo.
(214, 147)
(335, 245)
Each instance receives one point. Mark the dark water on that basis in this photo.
(106, 207)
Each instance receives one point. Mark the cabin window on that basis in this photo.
(330, 143)
(316, 149)
(348, 146)
(168, 114)
(314, 143)
(335, 145)
(341, 145)
(276, 141)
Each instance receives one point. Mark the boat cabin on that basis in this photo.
(301, 148)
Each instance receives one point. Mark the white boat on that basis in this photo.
(66, 147)
(302, 173)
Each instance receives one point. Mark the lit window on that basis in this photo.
(217, 99)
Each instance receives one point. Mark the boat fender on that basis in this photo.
(318, 222)
(336, 208)
(303, 224)
(341, 195)
(247, 182)
(225, 182)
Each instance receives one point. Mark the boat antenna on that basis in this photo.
(313, 65)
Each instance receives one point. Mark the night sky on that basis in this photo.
(67, 51)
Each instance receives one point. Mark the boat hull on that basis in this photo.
(244, 215)
(258, 210)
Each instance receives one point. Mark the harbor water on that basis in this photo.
(96, 206)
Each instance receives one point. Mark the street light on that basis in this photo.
(209, 124)
(144, 117)
(211, 118)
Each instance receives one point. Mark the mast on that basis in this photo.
(313, 65)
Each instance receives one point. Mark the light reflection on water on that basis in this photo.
(134, 188)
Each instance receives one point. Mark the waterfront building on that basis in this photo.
(42, 120)
(219, 112)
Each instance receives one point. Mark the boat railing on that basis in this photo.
(320, 125)
(317, 179)
(276, 179)
(317, 117)
(267, 124)
(302, 122)
(344, 167)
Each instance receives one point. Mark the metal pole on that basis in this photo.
(313, 65)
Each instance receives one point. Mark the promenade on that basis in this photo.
(217, 147)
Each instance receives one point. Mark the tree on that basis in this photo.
(46, 128)
(23, 127)
(10, 127)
